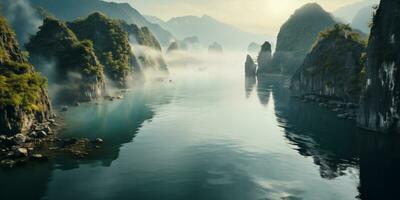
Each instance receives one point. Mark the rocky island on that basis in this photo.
(250, 67)
(332, 73)
(264, 60)
(297, 36)
(74, 63)
(88, 51)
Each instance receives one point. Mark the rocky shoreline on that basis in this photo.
(343, 110)
(42, 142)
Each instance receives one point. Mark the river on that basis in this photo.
(212, 134)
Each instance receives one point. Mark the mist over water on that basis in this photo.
(210, 133)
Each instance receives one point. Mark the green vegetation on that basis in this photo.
(336, 61)
(142, 35)
(341, 31)
(56, 41)
(20, 89)
(110, 42)
(20, 86)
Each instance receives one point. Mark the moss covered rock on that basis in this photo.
(110, 42)
(146, 48)
(23, 92)
(76, 66)
(334, 67)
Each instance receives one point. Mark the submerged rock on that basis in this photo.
(98, 141)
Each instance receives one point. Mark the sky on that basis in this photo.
(256, 16)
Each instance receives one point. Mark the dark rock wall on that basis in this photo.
(380, 103)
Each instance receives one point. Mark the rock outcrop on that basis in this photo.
(380, 103)
(215, 48)
(146, 48)
(191, 43)
(74, 64)
(264, 60)
(23, 92)
(250, 67)
(173, 47)
(298, 34)
(333, 68)
(110, 42)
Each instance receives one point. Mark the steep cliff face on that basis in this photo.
(264, 60)
(23, 92)
(75, 65)
(333, 68)
(250, 67)
(146, 48)
(298, 34)
(380, 102)
(110, 42)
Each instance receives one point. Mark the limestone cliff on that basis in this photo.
(23, 92)
(110, 42)
(250, 67)
(74, 65)
(333, 68)
(380, 103)
(264, 60)
(298, 34)
(146, 48)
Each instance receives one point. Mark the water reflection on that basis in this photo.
(379, 166)
(337, 146)
(250, 82)
(116, 122)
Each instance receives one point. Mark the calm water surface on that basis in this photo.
(213, 135)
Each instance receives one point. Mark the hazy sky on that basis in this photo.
(259, 16)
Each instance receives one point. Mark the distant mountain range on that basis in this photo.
(347, 13)
(363, 19)
(209, 30)
(69, 10)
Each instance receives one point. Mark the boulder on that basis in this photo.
(19, 138)
(21, 152)
(41, 134)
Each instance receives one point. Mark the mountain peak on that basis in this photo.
(309, 8)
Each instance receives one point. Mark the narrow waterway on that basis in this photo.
(212, 134)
